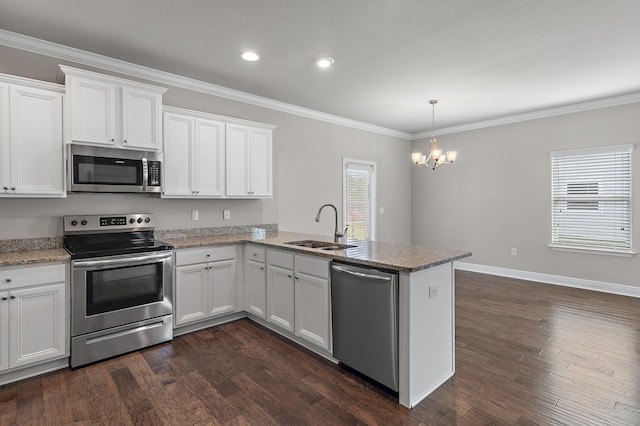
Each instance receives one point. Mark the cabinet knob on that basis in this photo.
(12, 297)
(255, 254)
(8, 280)
(6, 188)
(124, 141)
(208, 255)
(4, 298)
(262, 268)
(290, 276)
(113, 139)
(13, 188)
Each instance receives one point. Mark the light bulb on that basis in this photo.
(452, 155)
(416, 157)
(436, 154)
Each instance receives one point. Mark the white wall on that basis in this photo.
(497, 195)
(307, 156)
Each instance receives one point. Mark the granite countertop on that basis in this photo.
(14, 258)
(393, 256)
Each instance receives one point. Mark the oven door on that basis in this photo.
(117, 290)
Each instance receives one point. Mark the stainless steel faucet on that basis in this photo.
(336, 234)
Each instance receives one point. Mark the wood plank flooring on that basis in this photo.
(526, 354)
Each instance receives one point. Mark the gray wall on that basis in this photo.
(307, 160)
(497, 195)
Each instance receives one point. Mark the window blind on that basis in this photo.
(591, 199)
(359, 192)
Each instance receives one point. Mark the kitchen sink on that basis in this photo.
(320, 245)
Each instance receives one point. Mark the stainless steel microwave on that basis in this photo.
(96, 169)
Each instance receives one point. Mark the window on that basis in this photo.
(359, 189)
(591, 199)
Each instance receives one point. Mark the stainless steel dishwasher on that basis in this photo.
(364, 307)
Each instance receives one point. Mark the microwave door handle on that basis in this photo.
(88, 264)
(145, 174)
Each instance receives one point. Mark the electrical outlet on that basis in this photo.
(381, 210)
(514, 251)
(226, 214)
(433, 291)
(194, 214)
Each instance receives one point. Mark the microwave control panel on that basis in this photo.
(154, 173)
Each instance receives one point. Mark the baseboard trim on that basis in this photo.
(604, 287)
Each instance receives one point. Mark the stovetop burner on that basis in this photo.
(99, 236)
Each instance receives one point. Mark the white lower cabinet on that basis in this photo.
(298, 296)
(33, 315)
(255, 281)
(205, 283)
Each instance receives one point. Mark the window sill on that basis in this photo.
(592, 251)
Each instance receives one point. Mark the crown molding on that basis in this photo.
(82, 57)
(535, 115)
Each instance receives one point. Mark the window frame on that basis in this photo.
(589, 156)
(362, 165)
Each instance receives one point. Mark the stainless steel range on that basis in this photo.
(121, 285)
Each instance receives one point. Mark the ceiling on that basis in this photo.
(483, 60)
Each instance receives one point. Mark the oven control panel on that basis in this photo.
(108, 223)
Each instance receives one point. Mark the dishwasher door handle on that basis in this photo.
(360, 274)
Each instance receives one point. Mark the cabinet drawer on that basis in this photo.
(255, 253)
(11, 278)
(204, 254)
(283, 259)
(315, 266)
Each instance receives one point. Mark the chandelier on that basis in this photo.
(436, 157)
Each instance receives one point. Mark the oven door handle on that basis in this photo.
(87, 264)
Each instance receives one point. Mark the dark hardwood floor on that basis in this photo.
(526, 354)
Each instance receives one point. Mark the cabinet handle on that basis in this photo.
(4, 298)
(124, 141)
(113, 139)
(6, 188)
(255, 254)
(13, 188)
(208, 255)
(8, 280)
(262, 268)
(12, 297)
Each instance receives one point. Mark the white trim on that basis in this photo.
(22, 81)
(535, 115)
(58, 51)
(588, 250)
(604, 287)
(595, 150)
(208, 116)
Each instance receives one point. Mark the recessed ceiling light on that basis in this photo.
(250, 56)
(324, 62)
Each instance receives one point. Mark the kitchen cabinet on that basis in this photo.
(33, 315)
(298, 296)
(280, 289)
(204, 283)
(312, 301)
(109, 111)
(249, 161)
(255, 281)
(31, 145)
(193, 155)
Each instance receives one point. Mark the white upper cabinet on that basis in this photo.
(193, 155)
(31, 145)
(249, 161)
(109, 111)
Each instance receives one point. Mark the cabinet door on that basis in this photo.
(4, 331)
(209, 157)
(141, 115)
(222, 289)
(280, 308)
(36, 142)
(92, 111)
(256, 288)
(237, 161)
(191, 293)
(37, 324)
(312, 309)
(261, 174)
(178, 155)
(5, 154)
